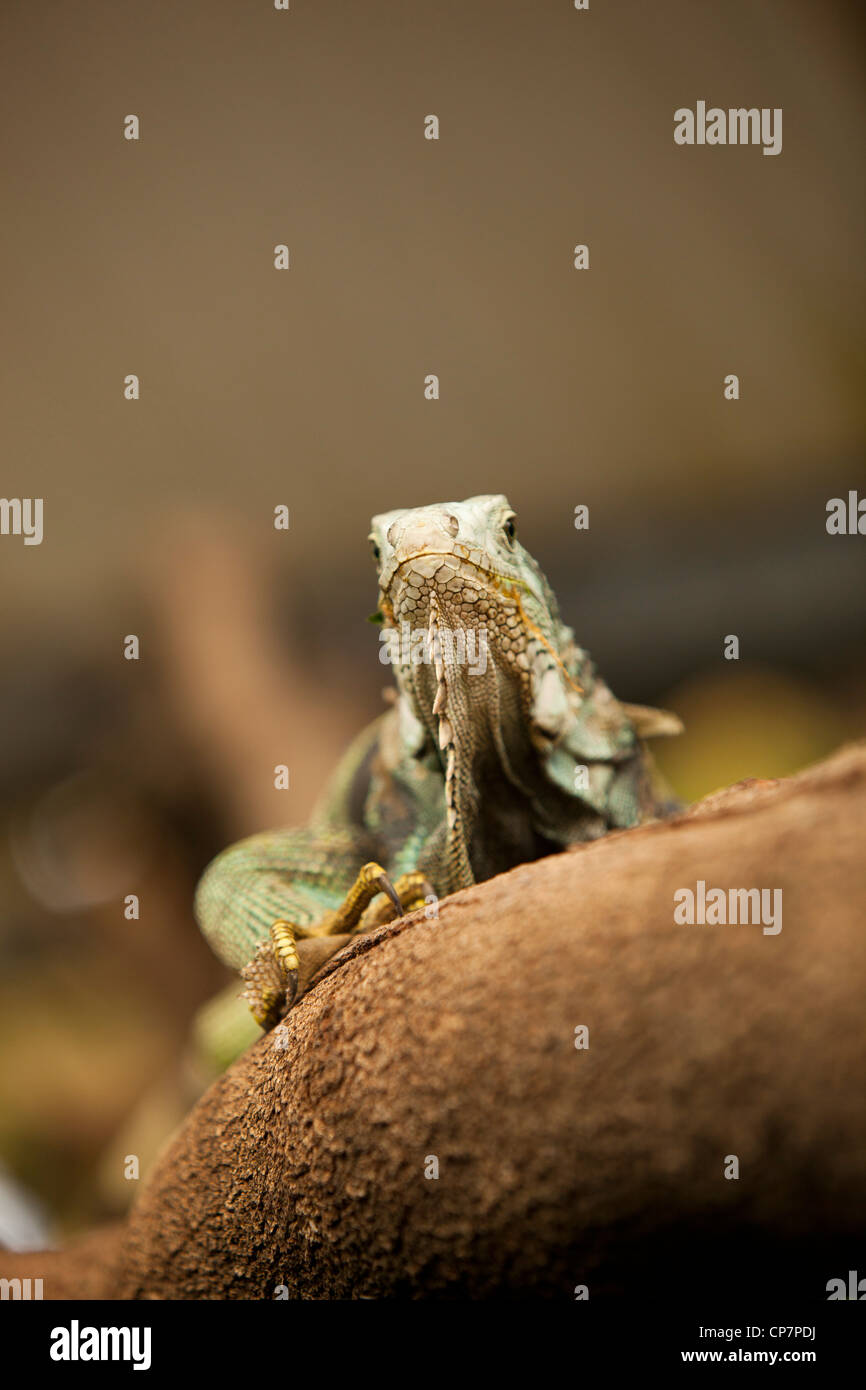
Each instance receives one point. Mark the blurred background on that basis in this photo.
(306, 388)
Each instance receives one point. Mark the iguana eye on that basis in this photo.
(375, 549)
(511, 527)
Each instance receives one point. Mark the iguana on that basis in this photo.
(502, 744)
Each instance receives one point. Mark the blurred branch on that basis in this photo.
(304, 1166)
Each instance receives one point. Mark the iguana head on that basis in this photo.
(490, 681)
(458, 567)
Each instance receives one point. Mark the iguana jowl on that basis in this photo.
(502, 744)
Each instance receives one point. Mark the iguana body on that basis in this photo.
(502, 745)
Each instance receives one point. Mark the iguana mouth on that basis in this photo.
(425, 564)
(466, 589)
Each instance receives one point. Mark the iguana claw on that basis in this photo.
(387, 887)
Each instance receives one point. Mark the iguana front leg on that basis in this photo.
(272, 975)
(261, 896)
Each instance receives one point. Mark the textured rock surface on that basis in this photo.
(304, 1165)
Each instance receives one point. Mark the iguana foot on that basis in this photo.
(271, 976)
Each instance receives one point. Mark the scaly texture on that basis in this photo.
(502, 744)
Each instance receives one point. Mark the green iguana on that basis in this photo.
(501, 745)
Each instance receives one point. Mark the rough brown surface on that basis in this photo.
(305, 1164)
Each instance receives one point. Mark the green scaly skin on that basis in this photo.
(491, 754)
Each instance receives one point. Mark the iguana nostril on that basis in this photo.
(429, 530)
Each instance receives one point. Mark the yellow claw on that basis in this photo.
(371, 880)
